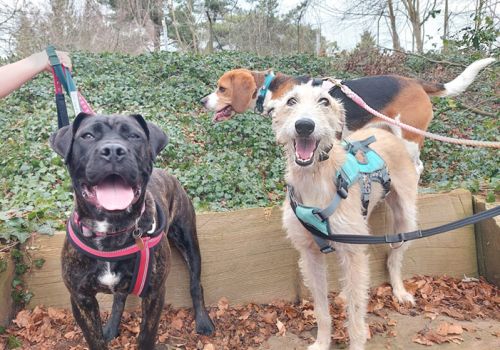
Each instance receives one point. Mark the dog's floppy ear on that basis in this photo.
(157, 138)
(243, 88)
(61, 141)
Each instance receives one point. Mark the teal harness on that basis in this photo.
(315, 220)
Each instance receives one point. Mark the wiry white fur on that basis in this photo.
(314, 186)
(460, 83)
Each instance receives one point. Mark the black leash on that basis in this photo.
(409, 236)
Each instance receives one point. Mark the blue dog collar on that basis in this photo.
(259, 106)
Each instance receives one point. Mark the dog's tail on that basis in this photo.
(460, 83)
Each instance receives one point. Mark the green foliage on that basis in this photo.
(13, 342)
(223, 166)
(19, 293)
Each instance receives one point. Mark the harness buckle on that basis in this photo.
(342, 187)
(318, 215)
(327, 249)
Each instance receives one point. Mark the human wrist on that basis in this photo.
(38, 62)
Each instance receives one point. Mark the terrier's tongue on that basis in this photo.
(304, 148)
(114, 194)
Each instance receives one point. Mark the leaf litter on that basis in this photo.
(249, 326)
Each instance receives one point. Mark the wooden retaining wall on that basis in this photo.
(488, 243)
(246, 257)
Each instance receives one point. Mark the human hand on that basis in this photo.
(41, 60)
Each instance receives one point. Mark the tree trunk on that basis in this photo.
(413, 13)
(445, 27)
(396, 45)
(175, 24)
(478, 18)
(210, 43)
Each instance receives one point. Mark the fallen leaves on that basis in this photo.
(249, 326)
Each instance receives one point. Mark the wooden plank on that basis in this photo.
(6, 303)
(246, 257)
(488, 243)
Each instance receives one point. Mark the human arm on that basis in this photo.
(14, 75)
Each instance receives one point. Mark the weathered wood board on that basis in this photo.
(488, 243)
(246, 257)
(6, 276)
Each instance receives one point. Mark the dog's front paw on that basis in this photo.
(110, 332)
(318, 346)
(205, 326)
(404, 297)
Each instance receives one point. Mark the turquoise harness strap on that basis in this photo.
(259, 105)
(315, 220)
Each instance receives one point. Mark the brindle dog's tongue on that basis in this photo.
(114, 194)
(304, 148)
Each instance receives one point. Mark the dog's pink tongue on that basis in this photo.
(114, 195)
(304, 148)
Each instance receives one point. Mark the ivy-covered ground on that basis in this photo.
(223, 166)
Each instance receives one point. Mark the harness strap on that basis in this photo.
(142, 251)
(323, 244)
(409, 236)
(259, 105)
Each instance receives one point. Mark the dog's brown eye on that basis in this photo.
(324, 102)
(291, 101)
(88, 136)
(222, 89)
(134, 136)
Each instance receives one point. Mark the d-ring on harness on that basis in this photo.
(372, 168)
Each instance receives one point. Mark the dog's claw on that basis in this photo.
(404, 297)
(205, 326)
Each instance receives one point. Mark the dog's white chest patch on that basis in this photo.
(108, 278)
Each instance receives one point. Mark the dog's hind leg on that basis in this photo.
(184, 237)
(111, 329)
(404, 215)
(356, 278)
(313, 267)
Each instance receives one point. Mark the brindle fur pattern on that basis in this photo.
(82, 275)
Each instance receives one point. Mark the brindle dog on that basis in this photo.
(110, 160)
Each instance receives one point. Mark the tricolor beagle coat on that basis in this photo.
(392, 95)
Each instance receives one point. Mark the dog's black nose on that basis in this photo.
(112, 151)
(203, 101)
(304, 126)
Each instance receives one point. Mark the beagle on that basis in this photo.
(238, 91)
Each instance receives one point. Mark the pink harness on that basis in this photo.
(142, 251)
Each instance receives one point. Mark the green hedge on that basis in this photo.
(224, 166)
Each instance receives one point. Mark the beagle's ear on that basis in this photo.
(61, 141)
(157, 138)
(244, 88)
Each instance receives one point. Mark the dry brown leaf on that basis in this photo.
(281, 328)
(392, 322)
(177, 323)
(269, 317)
(209, 346)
